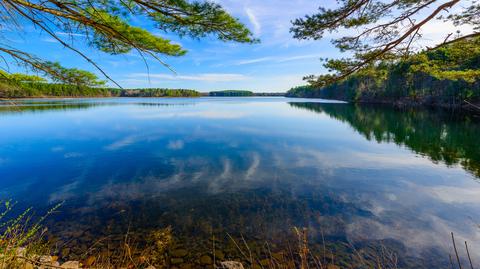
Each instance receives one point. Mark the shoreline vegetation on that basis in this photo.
(41, 89)
(448, 76)
(231, 93)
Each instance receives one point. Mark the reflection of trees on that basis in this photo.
(443, 136)
(7, 107)
(43, 107)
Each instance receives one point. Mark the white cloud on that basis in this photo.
(299, 57)
(124, 142)
(252, 170)
(435, 32)
(451, 194)
(278, 59)
(70, 155)
(222, 114)
(65, 192)
(253, 61)
(50, 40)
(205, 77)
(70, 34)
(57, 149)
(175, 145)
(257, 28)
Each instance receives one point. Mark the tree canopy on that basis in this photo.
(74, 76)
(445, 76)
(383, 30)
(19, 77)
(231, 93)
(107, 26)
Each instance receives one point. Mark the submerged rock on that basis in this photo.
(179, 253)
(219, 255)
(186, 266)
(206, 260)
(45, 259)
(21, 251)
(71, 265)
(65, 252)
(176, 261)
(232, 265)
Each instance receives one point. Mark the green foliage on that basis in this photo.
(446, 75)
(14, 89)
(32, 89)
(107, 25)
(231, 93)
(458, 61)
(19, 77)
(74, 76)
(382, 30)
(20, 234)
(202, 19)
(141, 37)
(306, 91)
(159, 93)
(26, 78)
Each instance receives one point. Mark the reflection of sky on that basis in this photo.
(132, 152)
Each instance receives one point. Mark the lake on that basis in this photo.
(357, 177)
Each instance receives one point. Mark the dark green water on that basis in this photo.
(358, 175)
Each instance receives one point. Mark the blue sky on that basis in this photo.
(276, 64)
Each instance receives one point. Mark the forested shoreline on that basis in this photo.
(231, 93)
(47, 90)
(33, 87)
(448, 76)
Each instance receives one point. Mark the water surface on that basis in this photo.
(256, 167)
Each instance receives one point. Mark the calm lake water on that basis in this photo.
(360, 176)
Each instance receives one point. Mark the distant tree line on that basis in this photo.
(43, 89)
(269, 94)
(448, 75)
(231, 93)
(28, 86)
(159, 93)
(85, 84)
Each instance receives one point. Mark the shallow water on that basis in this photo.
(248, 166)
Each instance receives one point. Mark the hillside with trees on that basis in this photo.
(445, 76)
(388, 59)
